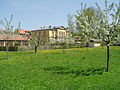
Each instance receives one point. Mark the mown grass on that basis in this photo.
(77, 69)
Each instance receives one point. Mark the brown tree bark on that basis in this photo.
(108, 55)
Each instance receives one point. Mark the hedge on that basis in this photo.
(10, 48)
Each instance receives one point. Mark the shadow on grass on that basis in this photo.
(83, 72)
(2, 58)
(55, 68)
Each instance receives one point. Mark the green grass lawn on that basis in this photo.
(77, 69)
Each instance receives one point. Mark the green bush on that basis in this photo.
(10, 48)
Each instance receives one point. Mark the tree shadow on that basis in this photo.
(55, 68)
(2, 58)
(83, 72)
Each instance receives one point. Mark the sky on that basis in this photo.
(32, 14)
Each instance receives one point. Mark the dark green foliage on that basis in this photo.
(10, 48)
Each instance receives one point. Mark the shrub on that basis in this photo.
(10, 48)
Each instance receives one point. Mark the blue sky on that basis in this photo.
(36, 13)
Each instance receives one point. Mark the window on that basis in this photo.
(39, 34)
(45, 33)
(61, 34)
(27, 32)
(52, 34)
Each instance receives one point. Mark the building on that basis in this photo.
(13, 41)
(48, 34)
(24, 32)
(17, 39)
(52, 35)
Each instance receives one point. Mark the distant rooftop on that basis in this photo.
(24, 32)
(50, 28)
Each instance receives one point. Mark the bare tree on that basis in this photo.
(71, 24)
(35, 39)
(8, 32)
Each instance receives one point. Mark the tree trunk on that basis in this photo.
(63, 49)
(35, 49)
(87, 45)
(7, 49)
(102, 45)
(108, 54)
(87, 48)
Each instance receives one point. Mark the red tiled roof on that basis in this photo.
(19, 37)
(15, 37)
(22, 31)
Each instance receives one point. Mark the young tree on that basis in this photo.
(65, 43)
(118, 30)
(84, 19)
(8, 32)
(71, 30)
(105, 28)
(35, 39)
(71, 24)
(102, 25)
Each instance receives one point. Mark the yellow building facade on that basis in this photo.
(52, 35)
